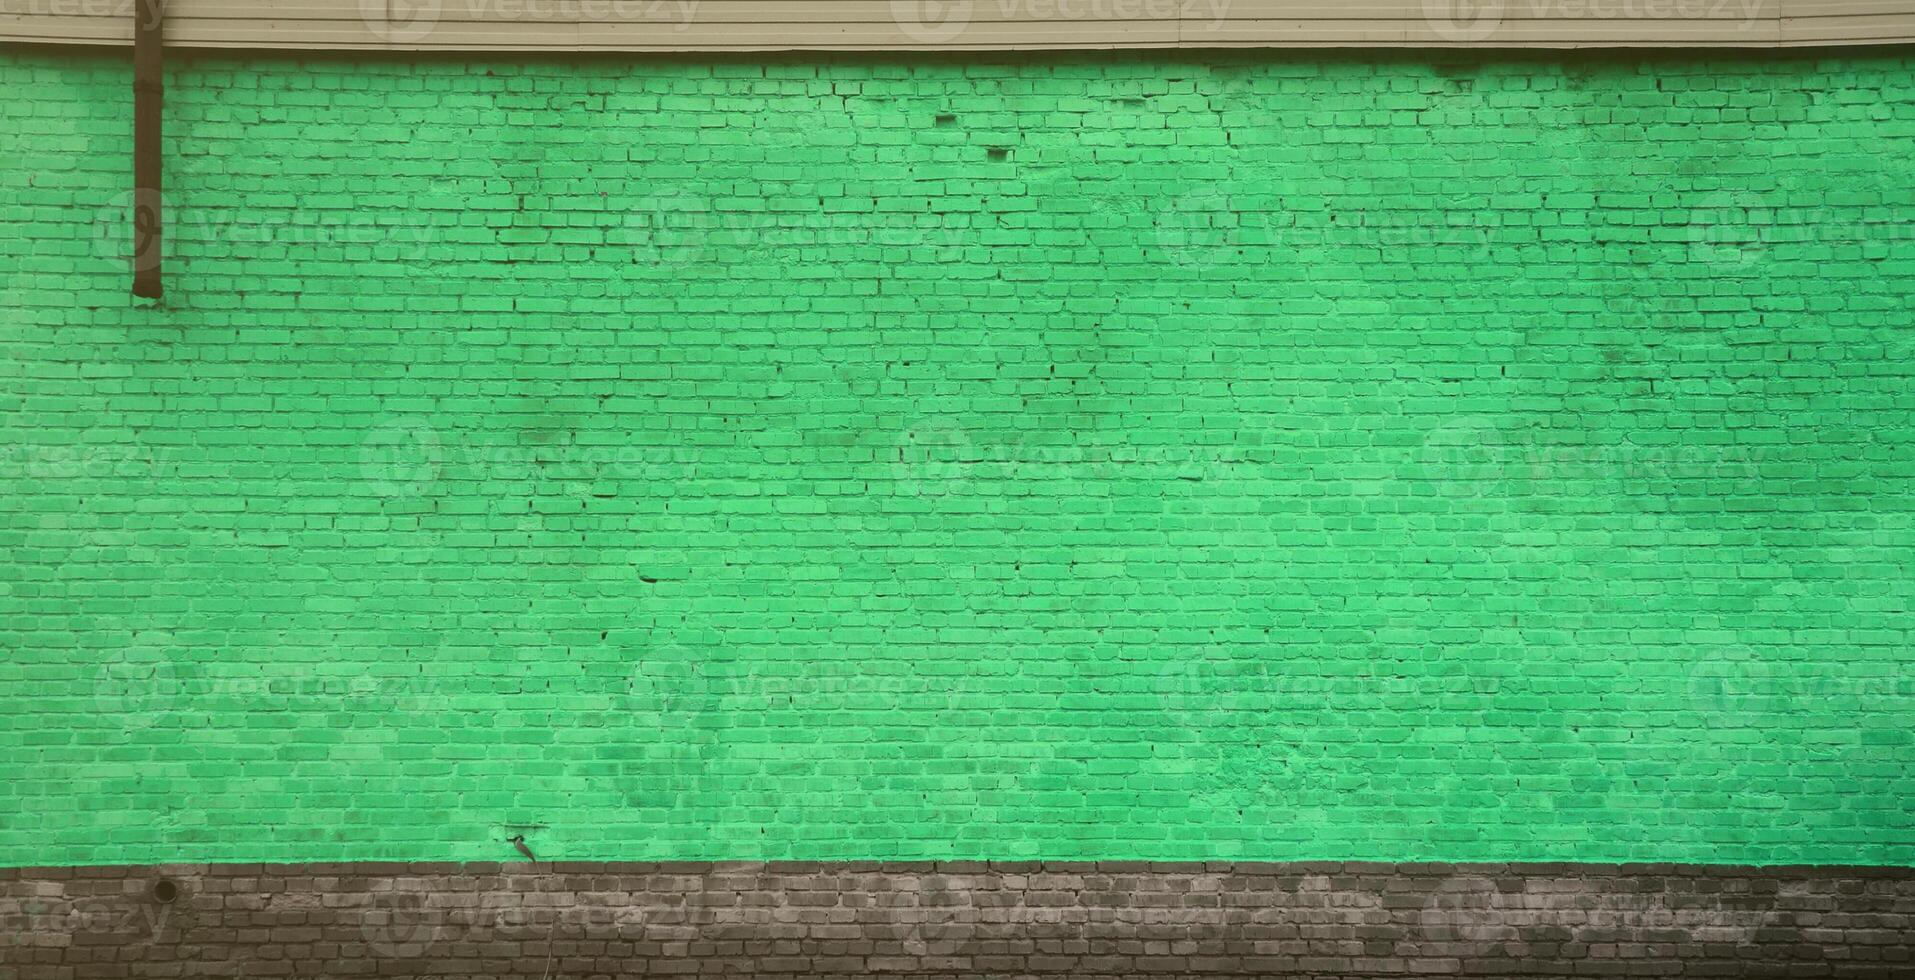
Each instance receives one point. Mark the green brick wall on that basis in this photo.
(1235, 456)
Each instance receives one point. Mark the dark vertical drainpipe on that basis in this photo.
(148, 91)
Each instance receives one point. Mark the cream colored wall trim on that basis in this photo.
(770, 25)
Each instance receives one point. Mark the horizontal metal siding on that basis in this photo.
(762, 25)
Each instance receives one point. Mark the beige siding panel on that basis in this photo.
(654, 37)
(1845, 8)
(1646, 11)
(988, 11)
(70, 30)
(714, 11)
(770, 25)
(209, 32)
(887, 35)
(1508, 33)
(845, 11)
(1849, 30)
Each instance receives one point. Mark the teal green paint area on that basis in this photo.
(1238, 457)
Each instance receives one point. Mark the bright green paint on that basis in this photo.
(1274, 456)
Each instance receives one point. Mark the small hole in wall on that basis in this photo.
(165, 891)
(997, 154)
(946, 119)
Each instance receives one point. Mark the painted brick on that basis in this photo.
(1267, 457)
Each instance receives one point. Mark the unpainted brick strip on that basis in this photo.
(1034, 919)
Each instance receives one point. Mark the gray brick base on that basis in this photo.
(1050, 919)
